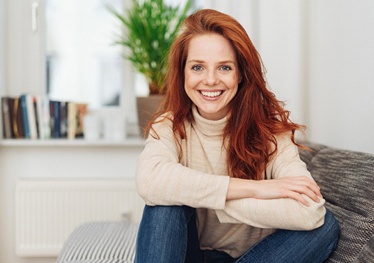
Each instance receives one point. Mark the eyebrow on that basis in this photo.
(202, 61)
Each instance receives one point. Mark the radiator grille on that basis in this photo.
(47, 211)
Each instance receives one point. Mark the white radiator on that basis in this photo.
(47, 211)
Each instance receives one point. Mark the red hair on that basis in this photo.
(256, 116)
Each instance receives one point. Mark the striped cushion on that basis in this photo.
(100, 242)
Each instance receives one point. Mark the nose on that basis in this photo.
(211, 78)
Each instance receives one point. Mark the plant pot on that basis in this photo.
(146, 107)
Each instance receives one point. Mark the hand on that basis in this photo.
(288, 187)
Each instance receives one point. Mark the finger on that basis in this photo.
(298, 197)
(307, 190)
(310, 184)
(312, 195)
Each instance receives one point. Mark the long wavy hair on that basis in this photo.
(255, 116)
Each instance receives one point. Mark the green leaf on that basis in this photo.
(150, 27)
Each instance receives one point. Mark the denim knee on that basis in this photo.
(163, 234)
(168, 214)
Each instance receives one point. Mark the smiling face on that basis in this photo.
(211, 75)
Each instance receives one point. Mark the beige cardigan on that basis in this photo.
(201, 180)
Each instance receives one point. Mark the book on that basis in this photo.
(25, 120)
(29, 118)
(63, 119)
(72, 120)
(7, 117)
(31, 111)
(44, 117)
(17, 125)
(55, 118)
(36, 114)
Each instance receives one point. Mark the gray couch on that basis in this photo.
(346, 179)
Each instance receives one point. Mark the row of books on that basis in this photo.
(36, 117)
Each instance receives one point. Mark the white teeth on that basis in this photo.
(211, 94)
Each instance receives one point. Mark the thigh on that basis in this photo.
(289, 246)
(167, 234)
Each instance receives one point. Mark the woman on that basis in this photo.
(220, 173)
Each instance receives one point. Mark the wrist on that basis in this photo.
(240, 188)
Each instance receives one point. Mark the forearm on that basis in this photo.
(281, 213)
(287, 202)
(169, 183)
(285, 187)
(239, 189)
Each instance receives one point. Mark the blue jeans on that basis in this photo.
(169, 234)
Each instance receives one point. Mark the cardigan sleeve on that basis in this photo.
(162, 180)
(284, 213)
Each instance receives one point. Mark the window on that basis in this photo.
(82, 63)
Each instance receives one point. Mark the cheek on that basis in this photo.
(187, 83)
(232, 82)
(190, 80)
(186, 77)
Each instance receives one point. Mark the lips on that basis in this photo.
(211, 94)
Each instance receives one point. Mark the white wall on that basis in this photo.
(2, 46)
(279, 43)
(319, 59)
(25, 50)
(341, 73)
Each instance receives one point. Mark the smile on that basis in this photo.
(211, 94)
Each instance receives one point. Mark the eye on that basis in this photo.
(226, 68)
(197, 67)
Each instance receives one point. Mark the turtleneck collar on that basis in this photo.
(208, 127)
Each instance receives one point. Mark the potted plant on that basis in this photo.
(150, 28)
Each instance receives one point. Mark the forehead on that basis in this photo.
(210, 46)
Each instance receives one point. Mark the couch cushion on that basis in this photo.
(356, 231)
(100, 242)
(367, 253)
(307, 155)
(346, 179)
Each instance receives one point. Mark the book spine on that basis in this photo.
(35, 116)
(11, 101)
(72, 120)
(18, 129)
(56, 130)
(31, 117)
(7, 121)
(38, 116)
(44, 119)
(25, 120)
(63, 119)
